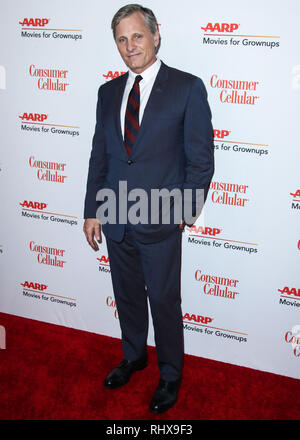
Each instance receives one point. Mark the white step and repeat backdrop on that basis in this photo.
(240, 273)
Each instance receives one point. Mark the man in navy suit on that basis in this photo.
(153, 131)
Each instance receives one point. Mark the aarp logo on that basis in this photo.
(33, 117)
(220, 27)
(112, 75)
(296, 195)
(34, 22)
(221, 134)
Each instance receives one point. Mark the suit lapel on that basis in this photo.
(153, 102)
(117, 109)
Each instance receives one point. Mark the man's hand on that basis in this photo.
(92, 230)
(182, 225)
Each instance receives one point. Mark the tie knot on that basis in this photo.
(138, 78)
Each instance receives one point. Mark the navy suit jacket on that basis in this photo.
(173, 148)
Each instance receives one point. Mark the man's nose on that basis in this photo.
(130, 45)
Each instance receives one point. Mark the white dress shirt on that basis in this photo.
(145, 84)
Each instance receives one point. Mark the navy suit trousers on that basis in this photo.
(142, 271)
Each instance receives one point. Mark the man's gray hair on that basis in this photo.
(127, 10)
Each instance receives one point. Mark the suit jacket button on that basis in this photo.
(129, 162)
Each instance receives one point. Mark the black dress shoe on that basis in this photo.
(121, 375)
(165, 396)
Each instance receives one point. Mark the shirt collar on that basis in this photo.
(148, 74)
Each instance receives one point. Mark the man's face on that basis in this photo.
(136, 43)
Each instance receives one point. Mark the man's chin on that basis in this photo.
(135, 67)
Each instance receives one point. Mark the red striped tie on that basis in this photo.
(132, 115)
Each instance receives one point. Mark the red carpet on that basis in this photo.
(50, 372)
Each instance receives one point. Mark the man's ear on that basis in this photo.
(156, 38)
